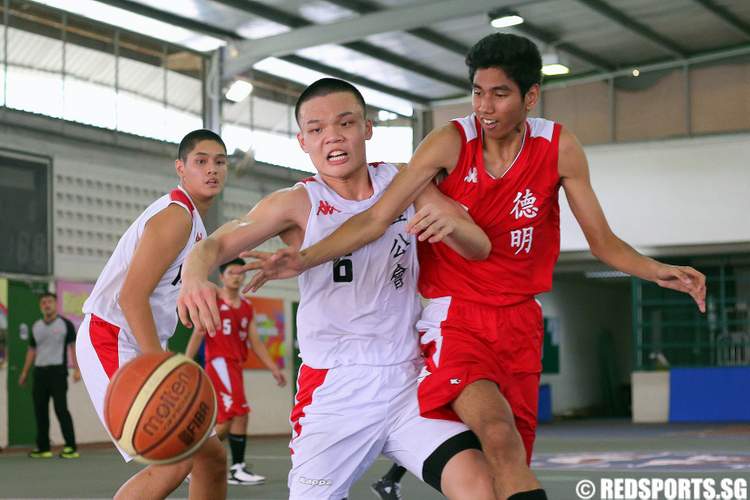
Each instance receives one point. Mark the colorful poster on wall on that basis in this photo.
(3, 319)
(70, 298)
(271, 324)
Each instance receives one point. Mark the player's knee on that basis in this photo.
(501, 441)
(467, 476)
(211, 459)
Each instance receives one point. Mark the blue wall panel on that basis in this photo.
(709, 394)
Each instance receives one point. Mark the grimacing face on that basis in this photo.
(333, 131)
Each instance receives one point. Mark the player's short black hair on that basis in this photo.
(187, 144)
(47, 294)
(517, 56)
(233, 262)
(326, 86)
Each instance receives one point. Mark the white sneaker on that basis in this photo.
(238, 474)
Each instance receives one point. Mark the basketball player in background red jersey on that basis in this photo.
(226, 351)
(131, 310)
(482, 330)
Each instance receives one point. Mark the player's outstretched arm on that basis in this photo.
(164, 236)
(440, 218)
(275, 213)
(604, 244)
(439, 150)
(260, 350)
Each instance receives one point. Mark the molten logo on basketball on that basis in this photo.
(188, 435)
(170, 402)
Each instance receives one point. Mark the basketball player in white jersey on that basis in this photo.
(356, 395)
(132, 307)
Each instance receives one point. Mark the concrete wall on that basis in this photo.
(584, 308)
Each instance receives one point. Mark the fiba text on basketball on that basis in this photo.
(681, 488)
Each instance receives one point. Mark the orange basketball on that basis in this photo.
(160, 407)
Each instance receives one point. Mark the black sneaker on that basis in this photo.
(386, 490)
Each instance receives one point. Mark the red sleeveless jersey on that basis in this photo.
(231, 340)
(519, 212)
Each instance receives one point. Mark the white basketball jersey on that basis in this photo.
(104, 299)
(360, 309)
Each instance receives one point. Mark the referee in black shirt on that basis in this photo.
(51, 339)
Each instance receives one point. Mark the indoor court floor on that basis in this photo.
(566, 453)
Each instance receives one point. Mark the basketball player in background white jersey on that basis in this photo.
(356, 394)
(132, 307)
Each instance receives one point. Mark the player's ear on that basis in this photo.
(179, 167)
(301, 140)
(531, 97)
(368, 129)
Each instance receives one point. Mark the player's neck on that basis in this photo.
(49, 318)
(356, 186)
(500, 152)
(231, 296)
(202, 203)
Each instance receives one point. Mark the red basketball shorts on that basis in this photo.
(463, 342)
(226, 377)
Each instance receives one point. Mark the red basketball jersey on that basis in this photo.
(231, 340)
(519, 212)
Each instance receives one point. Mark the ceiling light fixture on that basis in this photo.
(636, 72)
(503, 18)
(552, 65)
(239, 91)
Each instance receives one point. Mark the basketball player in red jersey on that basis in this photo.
(482, 330)
(225, 353)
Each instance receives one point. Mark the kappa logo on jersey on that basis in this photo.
(198, 237)
(325, 208)
(455, 381)
(473, 176)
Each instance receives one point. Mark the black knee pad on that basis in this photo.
(432, 469)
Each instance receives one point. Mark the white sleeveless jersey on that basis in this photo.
(104, 299)
(360, 309)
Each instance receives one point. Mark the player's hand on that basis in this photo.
(431, 223)
(285, 263)
(196, 305)
(280, 378)
(22, 379)
(684, 279)
(76, 375)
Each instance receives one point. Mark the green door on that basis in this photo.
(23, 310)
(296, 360)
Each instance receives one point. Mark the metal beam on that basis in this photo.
(641, 29)
(426, 34)
(726, 15)
(212, 30)
(315, 65)
(293, 21)
(396, 19)
(548, 38)
(436, 38)
(174, 19)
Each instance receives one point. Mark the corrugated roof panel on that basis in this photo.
(379, 71)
